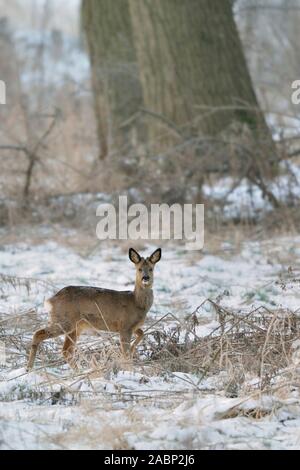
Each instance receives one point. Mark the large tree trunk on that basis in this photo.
(116, 85)
(192, 68)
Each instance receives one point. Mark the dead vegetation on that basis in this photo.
(259, 343)
(247, 352)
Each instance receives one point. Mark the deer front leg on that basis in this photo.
(125, 338)
(139, 336)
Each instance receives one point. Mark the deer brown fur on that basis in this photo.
(77, 308)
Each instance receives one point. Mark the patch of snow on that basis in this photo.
(52, 409)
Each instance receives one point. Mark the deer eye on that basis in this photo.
(150, 269)
(140, 269)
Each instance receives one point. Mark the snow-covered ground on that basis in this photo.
(246, 201)
(135, 406)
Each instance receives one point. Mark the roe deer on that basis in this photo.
(75, 308)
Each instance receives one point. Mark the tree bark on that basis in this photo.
(191, 57)
(115, 80)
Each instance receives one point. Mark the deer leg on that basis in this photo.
(125, 337)
(139, 336)
(68, 348)
(39, 336)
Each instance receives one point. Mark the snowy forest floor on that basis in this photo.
(218, 369)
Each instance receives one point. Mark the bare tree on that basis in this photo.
(190, 55)
(117, 91)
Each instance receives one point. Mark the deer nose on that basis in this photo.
(146, 278)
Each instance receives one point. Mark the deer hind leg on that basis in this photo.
(68, 348)
(39, 336)
(125, 337)
(139, 336)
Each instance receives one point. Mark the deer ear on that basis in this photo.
(155, 257)
(134, 256)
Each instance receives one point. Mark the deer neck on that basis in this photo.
(143, 296)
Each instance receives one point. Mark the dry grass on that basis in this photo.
(248, 352)
(257, 344)
(251, 356)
